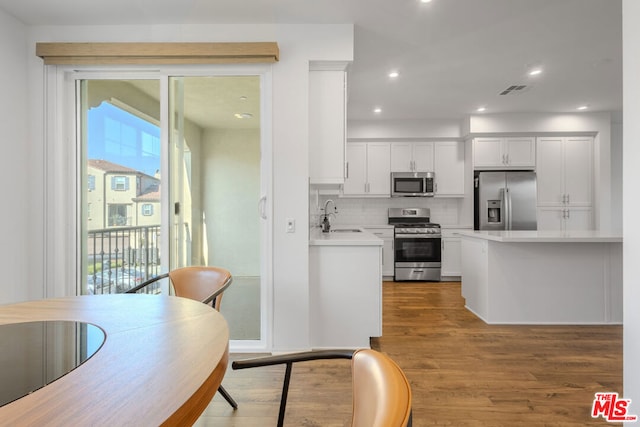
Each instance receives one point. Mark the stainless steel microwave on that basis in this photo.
(412, 184)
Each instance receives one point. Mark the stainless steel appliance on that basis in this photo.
(417, 245)
(412, 184)
(505, 200)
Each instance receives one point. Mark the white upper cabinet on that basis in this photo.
(412, 157)
(449, 168)
(504, 153)
(356, 180)
(487, 152)
(578, 166)
(564, 171)
(550, 172)
(368, 169)
(327, 129)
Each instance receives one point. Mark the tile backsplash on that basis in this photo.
(374, 211)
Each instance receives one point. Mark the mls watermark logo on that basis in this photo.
(611, 408)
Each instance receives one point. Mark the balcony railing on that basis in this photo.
(121, 258)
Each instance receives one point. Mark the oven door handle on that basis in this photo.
(418, 236)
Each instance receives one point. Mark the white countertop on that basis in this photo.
(348, 238)
(523, 236)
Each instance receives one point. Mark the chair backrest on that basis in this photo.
(381, 391)
(201, 283)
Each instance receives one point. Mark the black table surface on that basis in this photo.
(34, 354)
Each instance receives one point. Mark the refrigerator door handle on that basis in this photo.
(504, 207)
(508, 216)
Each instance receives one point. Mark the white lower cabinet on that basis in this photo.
(345, 294)
(451, 254)
(565, 219)
(386, 234)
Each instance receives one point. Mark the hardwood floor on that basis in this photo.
(463, 372)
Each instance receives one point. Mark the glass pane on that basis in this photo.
(216, 181)
(120, 146)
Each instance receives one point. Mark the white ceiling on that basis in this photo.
(453, 55)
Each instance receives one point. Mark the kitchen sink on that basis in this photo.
(346, 230)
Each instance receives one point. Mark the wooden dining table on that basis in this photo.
(161, 362)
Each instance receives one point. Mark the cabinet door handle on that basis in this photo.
(568, 200)
(347, 170)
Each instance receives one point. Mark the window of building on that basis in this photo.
(120, 183)
(147, 209)
(118, 215)
(91, 184)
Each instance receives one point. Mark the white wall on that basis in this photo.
(375, 210)
(230, 187)
(298, 44)
(403, 129)
(20, 249)
(631, 177)
(596, 123)
(616, 172)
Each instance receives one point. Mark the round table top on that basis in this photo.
(162, 361)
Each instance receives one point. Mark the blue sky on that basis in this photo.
(120, 137)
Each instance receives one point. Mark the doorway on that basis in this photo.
(209, 156)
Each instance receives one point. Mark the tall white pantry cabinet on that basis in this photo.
(565, 183)
(327, 124)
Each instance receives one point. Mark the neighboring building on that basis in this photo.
(118, 196)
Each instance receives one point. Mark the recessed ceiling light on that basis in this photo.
(535, 71)
(582, 107)
(394, 74)
(377, 110)
(425, 1)
(243, 98)
(481, 109)
(243, 115)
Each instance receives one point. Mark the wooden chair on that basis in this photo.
(204, 284)
(381, 391)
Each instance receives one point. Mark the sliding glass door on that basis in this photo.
(172, 174)
(120, 184)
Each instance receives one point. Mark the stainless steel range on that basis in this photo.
(417, 245)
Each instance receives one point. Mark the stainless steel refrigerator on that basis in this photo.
(505, 200)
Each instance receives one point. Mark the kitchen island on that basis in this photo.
(543, 277)
(345, 279)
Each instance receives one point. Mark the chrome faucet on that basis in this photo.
(326, 224)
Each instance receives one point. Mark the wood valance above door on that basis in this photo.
(157, 53)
